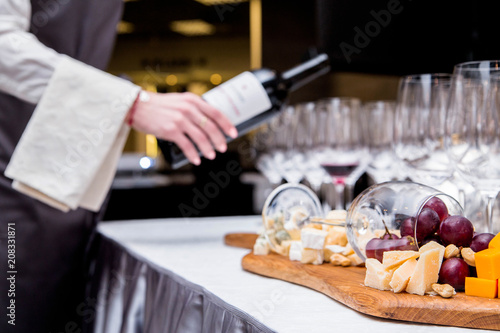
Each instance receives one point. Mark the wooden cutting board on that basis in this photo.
(345, 284)
(241, 239)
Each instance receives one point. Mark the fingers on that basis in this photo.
(186, 120)
(215, 115)
(200, 139)
(211, 131)
(187, 148)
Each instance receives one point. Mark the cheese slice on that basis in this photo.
(261, 247)
(495, 242)
(488, 263)
(426, 271)
(481, 287)
(295, 251)
(432, 245)
(313, 238)
(285, 247)
(402, 275)
(376, 275)
(312, 256)
(331, 249)
(336, 236)
(394, 259)
(292, 230)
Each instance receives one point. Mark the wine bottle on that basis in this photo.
(253, 98)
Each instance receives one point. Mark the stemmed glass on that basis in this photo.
(419, 127)
(473, 128)
(343, 153)
(262, 144)
(380, 114)
(307, 139)
(290, 161)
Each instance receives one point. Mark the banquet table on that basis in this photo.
(177, 275)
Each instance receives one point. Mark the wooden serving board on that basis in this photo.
(345, 284)
(242, 239)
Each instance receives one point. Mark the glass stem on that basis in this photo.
(349, 195)
(489, 212)
(461, 198)
(339, 197)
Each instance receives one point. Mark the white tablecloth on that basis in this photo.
(194, 250)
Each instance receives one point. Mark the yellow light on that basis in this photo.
(125, 27)
(192, 27)
(149, 87)
(171, 80)
(215, 79)
(219, 2)
(151, 146)
(255, 34)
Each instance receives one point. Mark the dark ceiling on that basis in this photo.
(152, 18)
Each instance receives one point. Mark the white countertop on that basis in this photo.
(194, 249)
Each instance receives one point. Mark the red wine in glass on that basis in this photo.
(339, 172)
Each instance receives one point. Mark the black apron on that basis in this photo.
(50, 246)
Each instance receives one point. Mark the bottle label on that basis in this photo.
(240, 98)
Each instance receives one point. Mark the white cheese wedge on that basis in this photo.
(313, 238)
(338, 214)
(312, 256)
(293, 230)
(331, 249)
(432, 245)
(295, 252)
(394, 259)
(261, 247)
(336, 236)
(290, 225)
(376, 275)
(402, 275)
(285, 247)
(426, 272)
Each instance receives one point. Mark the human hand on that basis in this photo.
(183, 118)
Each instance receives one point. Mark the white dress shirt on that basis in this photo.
(68, 152)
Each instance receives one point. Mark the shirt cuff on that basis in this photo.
(71, 145)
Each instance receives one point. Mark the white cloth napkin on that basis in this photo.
(68, 153)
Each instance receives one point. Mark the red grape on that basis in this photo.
(390, 236)
(427, 223)
(438, 206)
(431, 238)
(453, 272)
(372, 245)
(376, 247)
(481, 241)
(407, 227)
(456, 230)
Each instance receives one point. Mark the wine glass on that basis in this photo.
(383, 210)
(379, 210)
(473, 128)
(383, 165)
(262, 144)
(307, 138)
(419, 127)
(344, 153)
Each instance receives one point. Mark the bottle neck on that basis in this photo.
(304, 73)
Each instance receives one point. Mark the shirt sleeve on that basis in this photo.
(69, 150)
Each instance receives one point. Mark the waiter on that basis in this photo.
(63, 124)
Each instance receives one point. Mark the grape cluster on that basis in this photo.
(434, 224)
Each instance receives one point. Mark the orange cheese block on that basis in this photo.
(488, 264)
(495, 242)
(481, 287)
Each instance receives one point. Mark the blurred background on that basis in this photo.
(195, 45)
